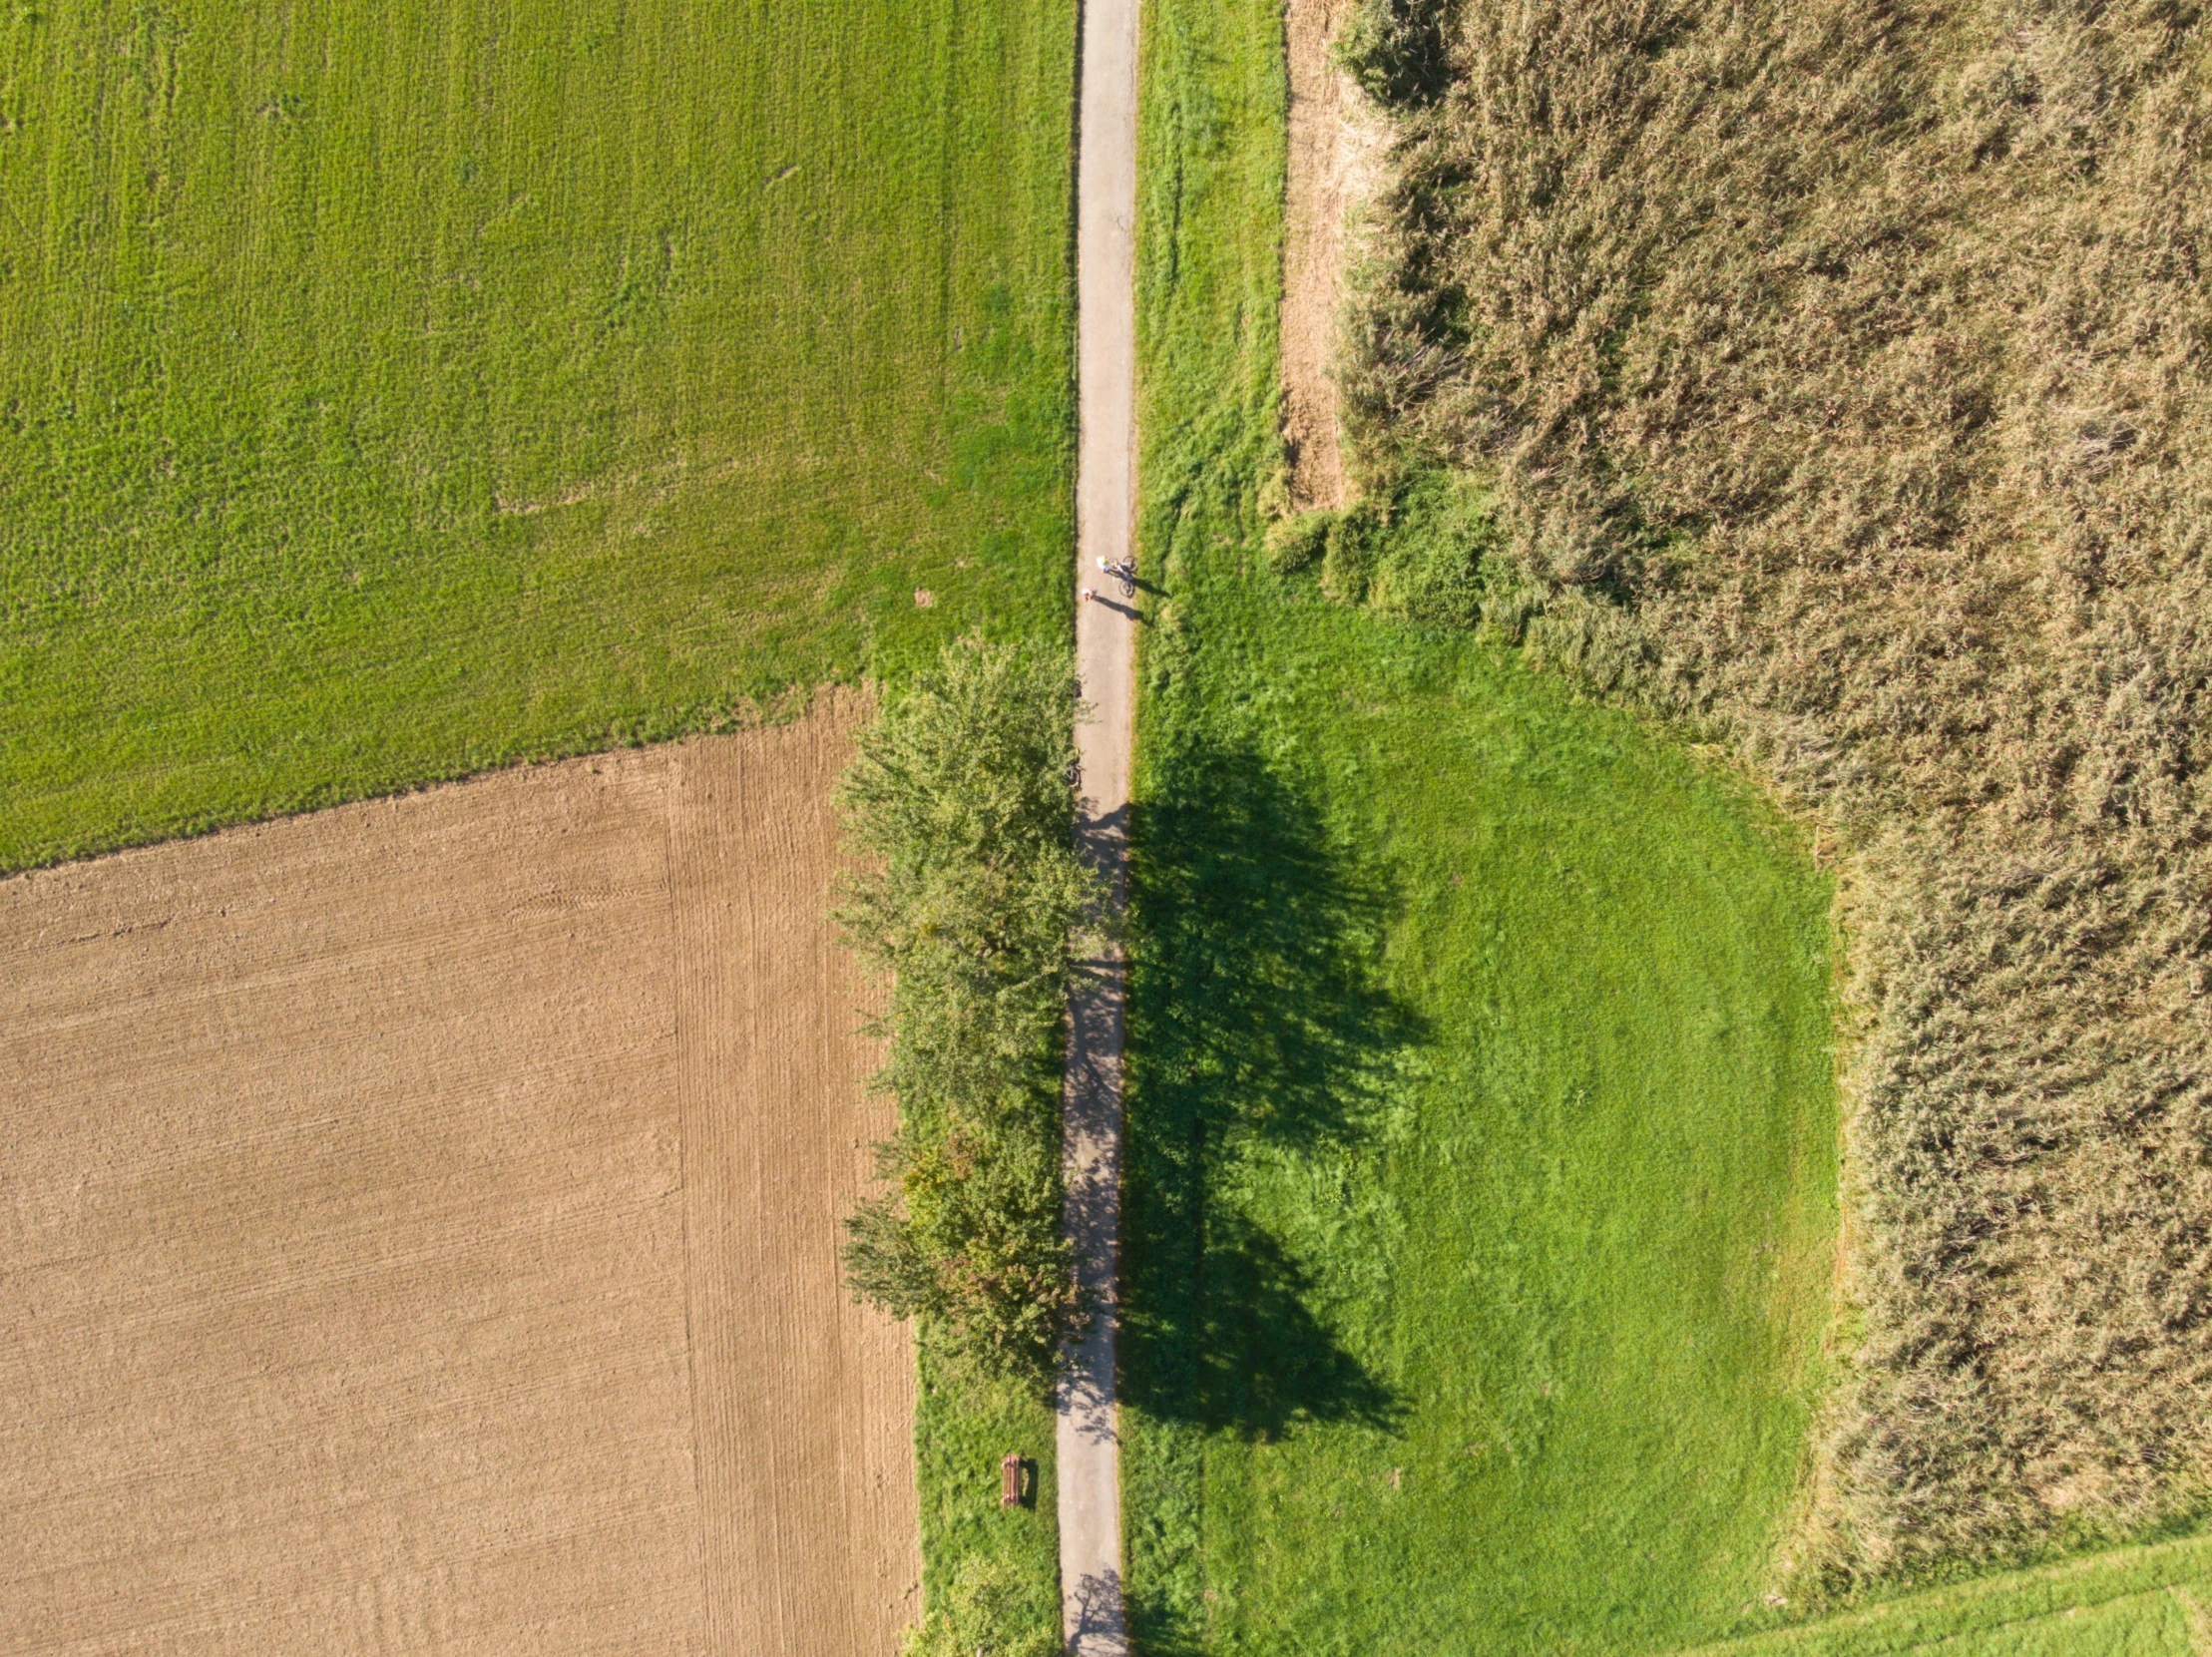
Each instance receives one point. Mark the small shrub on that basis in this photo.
(1428, 566)
(1396, 51)
(1417, 551)
(1297, 543)
(1348, 555)
(986, 1613)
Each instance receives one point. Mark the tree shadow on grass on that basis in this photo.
(1261, 1029)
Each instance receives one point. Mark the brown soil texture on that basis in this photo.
(1335, 143)
(419, 1229)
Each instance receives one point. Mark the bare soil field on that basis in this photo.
(1336, 145)
(418, 1226)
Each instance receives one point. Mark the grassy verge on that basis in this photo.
(961, 1429)
(395, 390)
(965, 906)
(1481, 1178)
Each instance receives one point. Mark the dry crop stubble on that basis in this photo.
(1840, 370)
(1333, 157)
(419, 1227)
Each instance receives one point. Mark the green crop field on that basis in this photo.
(1482, 1184)
(390, 390)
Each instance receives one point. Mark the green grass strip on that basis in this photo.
(1998, 1605)
(961, 1429)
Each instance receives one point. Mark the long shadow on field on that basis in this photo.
(1259, 1027)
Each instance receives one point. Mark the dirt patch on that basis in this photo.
(1336, 145)
(417, 1230)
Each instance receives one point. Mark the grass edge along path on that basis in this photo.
(1983, 1605)
(961, 1429)
(1295, 1494)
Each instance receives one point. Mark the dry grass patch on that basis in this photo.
(418, 1227)
(1840, 370)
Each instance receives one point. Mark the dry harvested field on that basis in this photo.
(1335, 152)
(417, 1229)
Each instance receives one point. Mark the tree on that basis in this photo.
(958, 803)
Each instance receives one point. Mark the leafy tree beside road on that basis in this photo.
(959, 807)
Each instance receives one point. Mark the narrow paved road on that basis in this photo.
(1090, 1455)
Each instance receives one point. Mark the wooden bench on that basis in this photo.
(1009, 1481)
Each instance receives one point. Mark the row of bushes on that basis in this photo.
(958, 812)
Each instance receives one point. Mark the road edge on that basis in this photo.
(1088, 1442)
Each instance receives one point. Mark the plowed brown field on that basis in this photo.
(418, 1226)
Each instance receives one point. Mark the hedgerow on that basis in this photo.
(959, 810)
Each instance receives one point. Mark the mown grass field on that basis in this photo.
(1483, 1188)
(1481, 1173)
(2148, 1601)
(393, 390)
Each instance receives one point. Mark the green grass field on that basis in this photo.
(1483, 1187)
(390, 390)
(1482, 1177)
(2148, 1601)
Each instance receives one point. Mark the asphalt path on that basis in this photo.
(1089, 1445)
